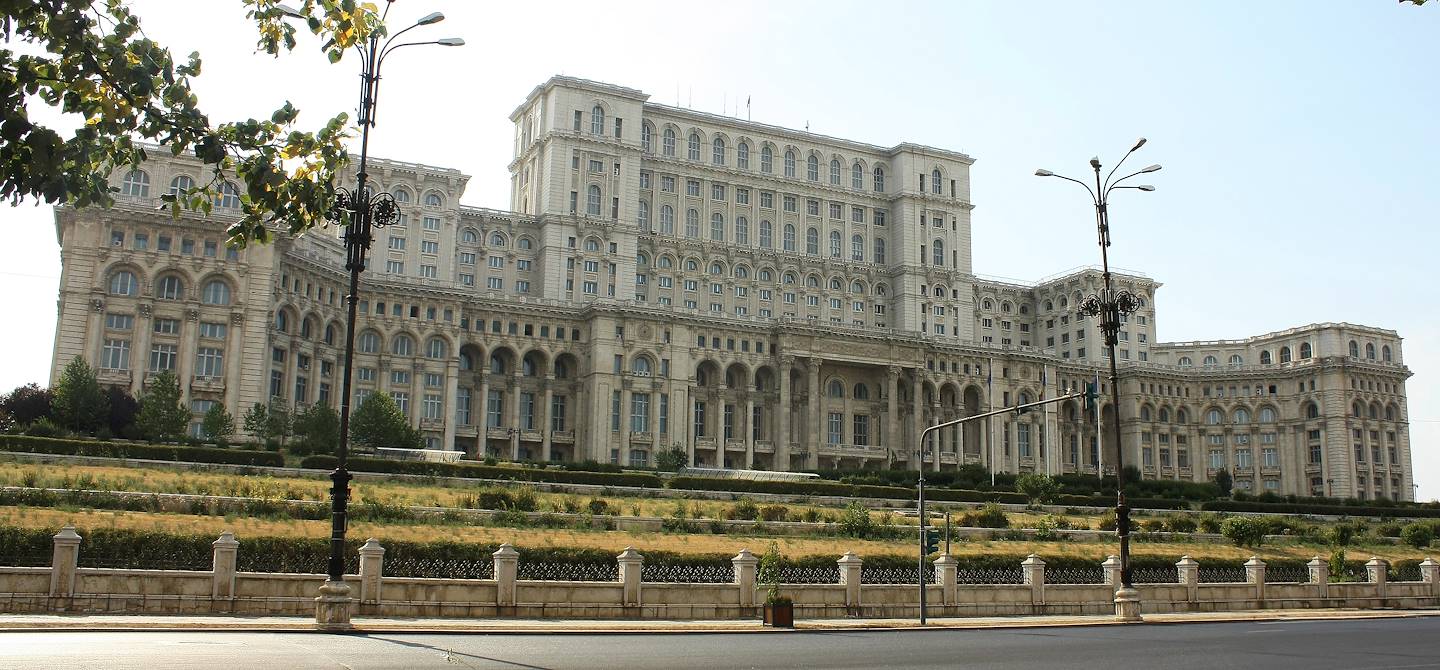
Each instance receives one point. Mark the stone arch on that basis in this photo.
(501, 360)
(535, 363)
(566, 366)
(707, 374)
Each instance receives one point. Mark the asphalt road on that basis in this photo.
(1373, 643)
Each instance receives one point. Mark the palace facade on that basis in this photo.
(758, 296)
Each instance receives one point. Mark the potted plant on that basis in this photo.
(779, 610)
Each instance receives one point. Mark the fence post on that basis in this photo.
(1319, 576)
(1112, 571)
(1188, 571)
(1379, 571)
(631, 563)
(64, 563)
(372, 568)
(850, 579)
(947, 570)
(745, 563)
(1255, 574)
(1034, 570)
(507, 566)
(222, 566)
(1430, 574)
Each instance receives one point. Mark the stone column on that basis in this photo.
(544, 412)
(372, 569)
(745, 564)
(512, 416)
(507, 562)
(1378, 570)
(749, 431)
(947, 571)
(1430, 574)
(935, 437)
(1320, 576)
(452, 391)
(850, 579)
(1189, 572)
(234, 348)
(1255, 574)
(817, 418)
(687, 421)
(782, 417)
(64, 563)
(222, 566)
(333, 606)
(893, 441)
(1034, 569)
(916, 452)
(482, 436)
(1112, 571)
(631, 563)
(626, 396)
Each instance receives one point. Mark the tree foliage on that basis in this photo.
(1224, 481)
(77, 402)
(91, 60)
(378, 422)
(161, 416)
(257, 421)
(218, 425)
(27, 404)
(672, 459)
(1040, 489)
(317, 430)
(123, 410)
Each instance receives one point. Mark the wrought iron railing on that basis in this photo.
(569, 572)
(991, 576)
(1293, 574)
(1155, 575)
(687, 573)
(1221, 575)
(1095, 575)
(440, 568)
(895, 575)
(810, 575)
(141, 561)
(25, 560)
(1404, 573)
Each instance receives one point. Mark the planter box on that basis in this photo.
(780, 616)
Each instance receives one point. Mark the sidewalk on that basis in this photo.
(121, 622)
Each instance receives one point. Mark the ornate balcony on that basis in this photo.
(705, 443)
(641, 437)
(735, 445)
(432, 424)
(497, 433)
(562, 436)
(949, 458)
(531, 436)
(114, 376)
(210, 384)
(764, 447)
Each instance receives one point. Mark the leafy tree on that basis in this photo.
(278, 423)
(1040, 489)
(91, 60)
(27, 404)
(318, 430)
(378, 422)
(1244, 531)
(672, 459)
(1418, 535)
(123, 410)
(218, 425)
(161, 416)
(1224, 481)
(257, 422)
(77, 402)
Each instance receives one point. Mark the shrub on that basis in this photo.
(492, 497)
(1418, 535)
(1210, 523)
(743, 509)
(1244, 531)
(1328, 508)
(774, 513)
(990, 515)
(1039, 489)
(475, 471)
(1341, 535)
(1107, 521)
(855, 521)
(598, 506)
(44, 427)
(42, 445)
(1389, 529)
(1179, 523)
(525, 499)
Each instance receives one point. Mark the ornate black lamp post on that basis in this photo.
(1109, 305)
(359, 211)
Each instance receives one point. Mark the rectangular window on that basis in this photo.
(395, 267)
(692, 187)
(615, 411)
(209, 362)
(494, 406)
(166, 326)
(527, 410)
(115, 355)
(162, 357)
(640, 413)
(462, 406)
(277, 384)
(834, 427)
(119, 321)
(557, 413)
(767, 200)
(432, 223)
(429, 247)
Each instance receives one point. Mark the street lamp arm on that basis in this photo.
(1117, 182)
(448, 41)
(1084, 185)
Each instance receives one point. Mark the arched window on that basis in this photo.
(640, 365)
(879, 179)
(667, 220)
(834, 283)
(1210, 361)
(1354, 349)
(1242, 415)
(880, 290)
(497, 363)
(665, 263)
(1369, 351)
(691, 265)
(647, 138)
(1265, 357)
(216, 292)
(812, 282)
(123, 282)
(741, 272)
(433, 199)
(862, 392)
(180, 185)
(1284, 354)
(692, 147)
(1006, 307)
(765, 275)
(1357, 409)
(402, 345)
(857, 248)
(789, 163)
(369, 342)
(789, 237)
(1236, 359)
(1385, 354)
(229, 197)
(597, 120)
(1305, 351)
(1164, 415)
(717, 227)
(718, 153)
(1144, 412)
(436, 348)
(939, 291)
(717, 269)
(330, 334)
(835, 389)
(834, 172)
(857, 176)
(935, 181)
(834, 244)
(170, 288)
(742, 230)
(812, 168)
(987, 304)
(667, 142)
(469, 236)
(467, 362)
(1389, 412)
(742, 156)
(879, 250)
(642, 259)
(790, 278)
(497, 240)
(857, 288)
(1267, 415)
(1213, 417)
(136, 183)
(401, 194)
(812, 242)
(592, 200)
(767, 160)
(642, 215)
(1373, 411)
(1180, 416)
(282, 321)
(1185, 362)
(692, 223)
(1312, 411)
(562, 369)
(937, 252)
(592, 244)
(305, 328)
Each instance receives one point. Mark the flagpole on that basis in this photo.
(1099, 446)
(989, 406)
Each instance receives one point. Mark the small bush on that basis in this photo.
(774, 513)
(744, 509)
(1179, 523)
(1418, 535)
(525, 499)
(598, 506)
(1210, 523)
(1244, 531)
(1390, 529)
(990, 515)
(492, 497)
(810, 516)
(1107, 521)
(855, 522)
(1341, 535)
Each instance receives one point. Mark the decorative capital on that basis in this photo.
(226, 541)
(507, 551)
(372, 548)
(98, 305)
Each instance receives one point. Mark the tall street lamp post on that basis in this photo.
(359, 211)
(1109, 305)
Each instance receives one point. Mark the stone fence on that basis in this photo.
(505, 588)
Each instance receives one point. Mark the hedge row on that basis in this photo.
(1109, 501)
(838, 489)
(1303, 508)
(158, 452)
(477, 471)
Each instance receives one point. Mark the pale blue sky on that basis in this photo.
(1299, 138)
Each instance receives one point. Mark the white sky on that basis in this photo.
(1299, 138)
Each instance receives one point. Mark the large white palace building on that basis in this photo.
(759, 296)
